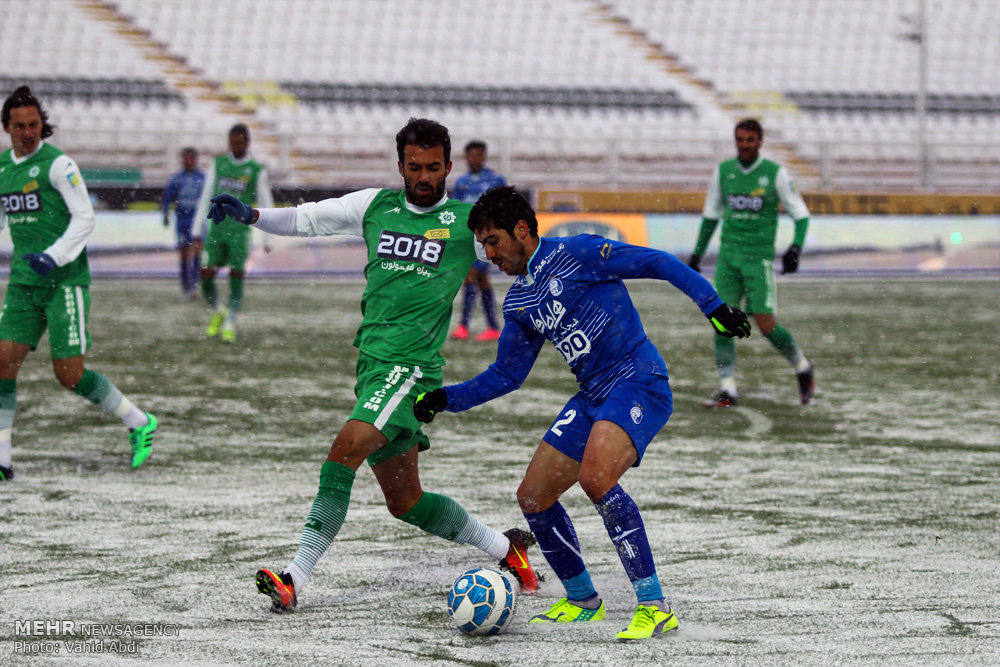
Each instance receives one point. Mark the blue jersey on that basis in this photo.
(573, 295)
(471, 186)
(184, 187)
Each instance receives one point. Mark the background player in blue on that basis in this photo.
(469, 188)
(570, 291)
(184, 188)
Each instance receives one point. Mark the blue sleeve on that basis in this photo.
(169, 193)
(517, 350)
(614, 259)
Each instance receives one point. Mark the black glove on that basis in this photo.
(429, 404)
(695, 263)
(730, 322)
(226, 204)
(790, 260)
(41, 262)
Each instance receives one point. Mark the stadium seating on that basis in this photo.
(615, 93)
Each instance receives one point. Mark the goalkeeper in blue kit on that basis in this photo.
(570, 291)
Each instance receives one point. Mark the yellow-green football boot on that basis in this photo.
(649, 621)
(215, 323)
(565, 611)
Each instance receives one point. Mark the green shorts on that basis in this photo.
(28, 311)
(386, 392)
(230, 249)
(737, 277)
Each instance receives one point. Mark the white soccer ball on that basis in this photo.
(482, 602)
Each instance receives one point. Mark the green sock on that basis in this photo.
(782, 340)
(725, 356)
(325, 520)
(103, 393)
(438, 515)
(235, 294)
(209, 291)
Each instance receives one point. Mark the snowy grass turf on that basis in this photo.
(861, 528)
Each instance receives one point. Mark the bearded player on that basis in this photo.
(419, 251)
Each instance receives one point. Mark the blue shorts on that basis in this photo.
(184, 229)
(481, 266)
(640, 405)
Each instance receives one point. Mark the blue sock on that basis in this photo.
(468, 303)
(489, 308)
(561, 548)
(628, 534)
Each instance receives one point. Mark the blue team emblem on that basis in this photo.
(555, 287)
(636, 414)
(447, 217)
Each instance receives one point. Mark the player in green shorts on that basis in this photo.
(745, 193)
(228, 243)
(45, 202)
(419, 251)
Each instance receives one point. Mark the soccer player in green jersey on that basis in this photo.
(419, 251)
(45, 202)
(744, 193)
(228, 243)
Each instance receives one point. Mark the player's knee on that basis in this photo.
(765, 324)
(532, 499)
(69, 378)
(596, 483)
(398, 506)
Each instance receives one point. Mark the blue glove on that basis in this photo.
(227, 204)
(41, 262)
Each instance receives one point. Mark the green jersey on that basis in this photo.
(45, 202)
(746, 199)
(417, 260)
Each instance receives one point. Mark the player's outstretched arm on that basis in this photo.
(229, 205)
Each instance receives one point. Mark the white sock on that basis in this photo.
(481, 536)
(6, 458)
(803, 364)
(729, 385)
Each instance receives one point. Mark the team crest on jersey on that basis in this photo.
(34, 171)
(763, 181)
(636, 414)
(437, 234)
(446, 217)
(555, 286)
(74, 179)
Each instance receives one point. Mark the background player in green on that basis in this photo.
(46, 203)
(419, 251)
(228, 243)
(744, 193)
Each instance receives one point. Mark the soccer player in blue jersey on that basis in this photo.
(570, 291)
(185, 188)
(468, 188)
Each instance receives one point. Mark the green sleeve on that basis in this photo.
(801, 226)
(705, 235)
